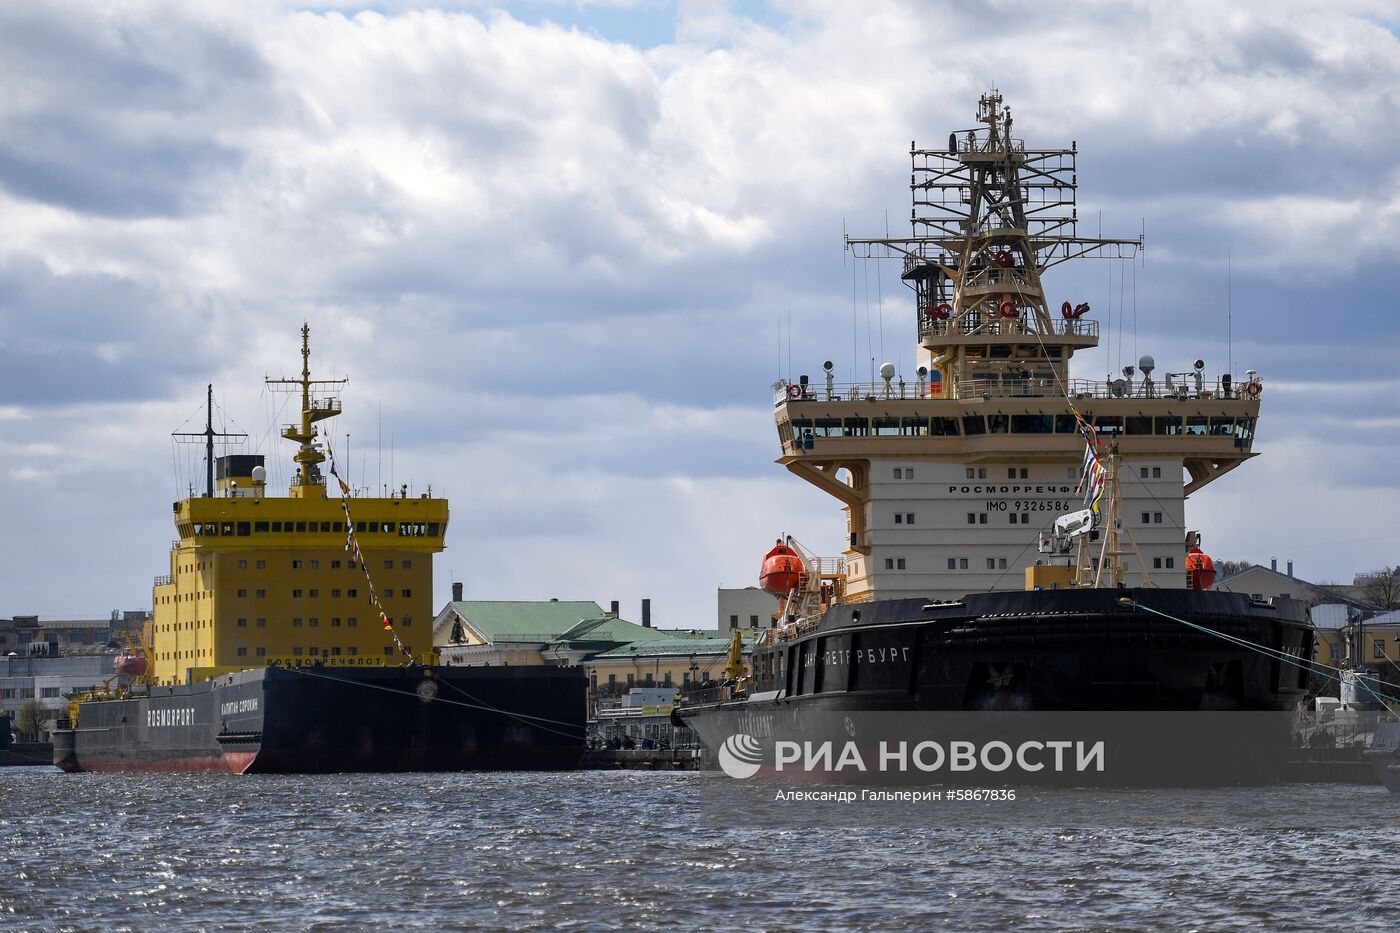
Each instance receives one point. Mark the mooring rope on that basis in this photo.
(1317, 667)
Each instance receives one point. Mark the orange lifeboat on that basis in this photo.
(129, 665)
(1200, 570)
(782, 569)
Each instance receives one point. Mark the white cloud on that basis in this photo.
(557, 260)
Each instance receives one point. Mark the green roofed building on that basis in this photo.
(483, 632)
(673, 659)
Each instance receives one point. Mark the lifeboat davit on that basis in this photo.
(782, 570)
(129, 665)
(1200, 570)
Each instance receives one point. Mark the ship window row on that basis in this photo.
(1158, 563)
(977, 425)
(246, 529)
(316, 651)
(1151, 518)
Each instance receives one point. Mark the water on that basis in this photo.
(621, 850)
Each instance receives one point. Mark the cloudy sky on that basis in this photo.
(555, 247)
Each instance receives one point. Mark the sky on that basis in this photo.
(563, 249)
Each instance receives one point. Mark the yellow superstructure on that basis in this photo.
(256, 578)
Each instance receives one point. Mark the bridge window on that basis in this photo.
(1244, 429)
(1139, 425)
(856, 427)
(974, 424)
(1032, 424)
(997, 424)
(1109, 425)
(1197, 425)
(1222, 427)
(943, 427)
(827, 427)
(260, 527)
(1065, 424)
(1169, 427)
(915, 427)
(885, 427)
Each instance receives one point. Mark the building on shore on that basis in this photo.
(72, 636)
(745, 609)
(525, 632)
(617, 654)
(639, 718)
(1259, 580)
(49, 680)
(674, 660)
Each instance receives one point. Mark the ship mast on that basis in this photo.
(989, 216)
(308, 456)
(208, 434)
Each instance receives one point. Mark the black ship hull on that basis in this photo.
(1176, 702)
(338, 719)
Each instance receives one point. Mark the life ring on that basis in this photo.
(1003, 259)
(1008, 309)
(1066, 311)
(794, 391)
(942, 312)
(1081, 309)
(1252, 389)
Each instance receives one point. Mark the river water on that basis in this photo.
(628, 850)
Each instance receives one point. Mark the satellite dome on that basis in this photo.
(259, 474)
(886, 371)
(1147, 364)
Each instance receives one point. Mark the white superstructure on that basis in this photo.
(950, 477)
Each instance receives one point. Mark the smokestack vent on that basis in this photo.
(1273, 564)
(1290, 568)
(456, 592)
(613, 610)
(646, 613)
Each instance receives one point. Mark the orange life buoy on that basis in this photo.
(794, 391)
(1008, 309)
(1003, 259)
(1252, 389)
(941, 311)
(1081, 309)
(1066, 311)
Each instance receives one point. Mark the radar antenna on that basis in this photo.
(208, 434)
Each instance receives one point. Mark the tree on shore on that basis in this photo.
(31, 720)
(1382, 588)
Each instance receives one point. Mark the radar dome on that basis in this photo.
(260, 474)
(887, 371)
(1147, 364)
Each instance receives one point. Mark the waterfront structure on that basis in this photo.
(486, 632)
(49, 680)
(746, 609)
(1270, 581)
(72, 636)
(677, 659)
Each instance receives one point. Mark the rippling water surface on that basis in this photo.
(613, 850)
